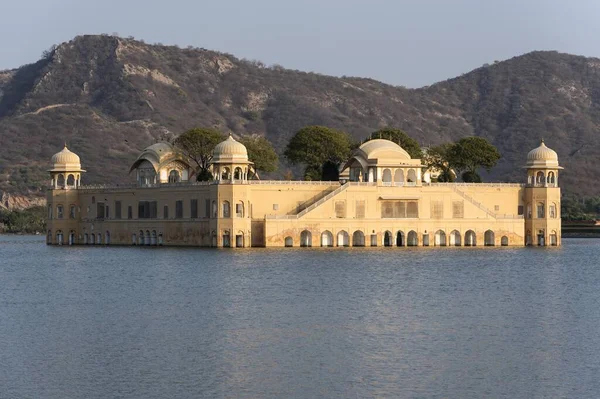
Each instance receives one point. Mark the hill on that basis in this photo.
(110, 97)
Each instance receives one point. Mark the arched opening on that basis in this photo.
(504, 241)
(343, 239)
(99, 238)
(214, 209)
(440, 238)
(92, 238)
(226, 209)
(72, 237)
(411, 177)
(85, 239)
(551, 178)
(541, 238)
(153, 238)
(552, 211)
(141, 238)
(174, 176)
(455, 238)
(489, 238)
(147, 240)
(226, 239)
(540, 178)
(553, 238)
(387, 239)
(387, 176)
(160, 239)
(426, 239)
(412, 239)
(306, 238)
(470, 239)
(289, 242)
(239, 239)
(60, 181)
(326, 239)
(71, 181)
(358, 239)
(226, 174)
(133, 239)
(238, 174)
(239, 209)
(528, 238)
(107, 238)
(399, 177)
(49, 237)
(213, 239)
(400, 239)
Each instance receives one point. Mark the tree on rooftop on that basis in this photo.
(318, 148)
(470, 154)
(198, 144)
(261, 152)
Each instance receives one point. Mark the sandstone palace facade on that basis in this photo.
(382, 199)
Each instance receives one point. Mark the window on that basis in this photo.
(399, 209)
(72, 210)
(107, 213)
(496, 208)
(226, 209)
(129, 212)
(360, 209)
(93, 200)
(207, 208)
(214, 209)
(552, 211)
(166, 212)
(340, 209)
(239, 209)
(437, 209)
(458, 209)
(59, 211)
(194, 209)
(100, 210)
(529, 211)
(275, 207)
(520, 210)
(540, 210)
(117, 209)
(174, 176)
(179, 209)
(50, 211)
(147, 209)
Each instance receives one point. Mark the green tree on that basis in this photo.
(402, 139)
(316, 147)
(261, 152)
(436, 159)
(198, 144)
(470, 154)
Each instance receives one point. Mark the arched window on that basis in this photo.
(387, 176)
(326, 239)
(141, 238)
(92, 238)
(358, 239)
(49, 211)
(71, 181)
(174, 176)
(226, 209)
(226, 174)
(553, 238)
(455, 238)
(529, 215)
(99, 238)
(440, 238)
(412, 240)
(387, 239)
(86, 238)
(411, 177)
(551, 178)
(238, 174)
(489, 238)
(504, 241)
(400, 239)
(147, 239)
(214, 209)
(399, 177)
(306, 238)
(552, 211)
(133, 239)
(107, 237)
(49, 237)
(528, 238)
(239, 209)
(72, 211)
(343, 239)
(160, 239)
(153, 238)
(289, 242)
(540, 178)
(59, 211)
(72, 237)
(60, 181)
(540, 210)
(470, 239)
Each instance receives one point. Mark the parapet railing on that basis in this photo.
(461, 184)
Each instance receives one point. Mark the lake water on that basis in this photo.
(110, 322)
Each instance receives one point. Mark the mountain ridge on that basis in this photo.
(110, 97)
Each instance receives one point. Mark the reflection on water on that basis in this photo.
(98, 322)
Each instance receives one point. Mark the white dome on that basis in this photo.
(374, 148)
(542, 156)
(230, 150)
(66, 160)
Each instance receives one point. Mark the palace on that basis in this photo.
(382, 199)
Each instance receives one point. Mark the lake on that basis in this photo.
(142, 322)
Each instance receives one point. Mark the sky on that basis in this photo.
(412, 43)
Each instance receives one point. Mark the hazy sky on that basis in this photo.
(402, 42)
